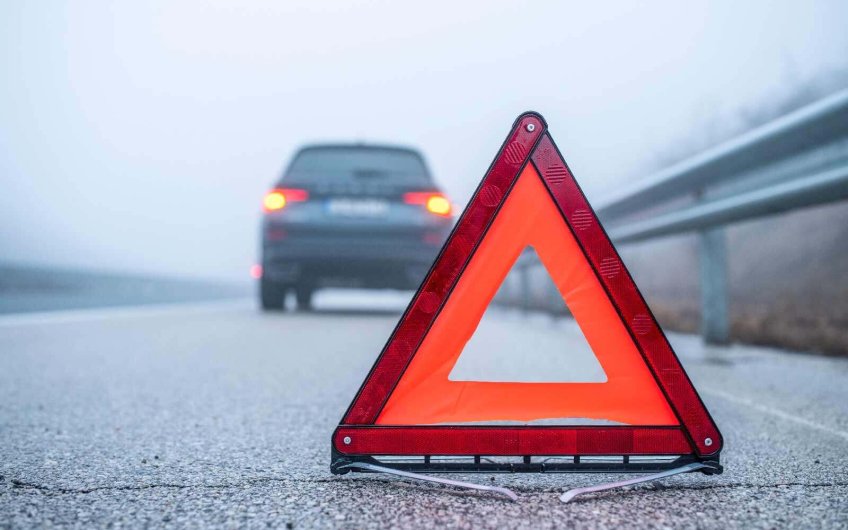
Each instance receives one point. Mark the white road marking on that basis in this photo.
(151, 310)
(774, 412)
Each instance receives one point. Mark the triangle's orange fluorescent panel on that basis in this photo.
(409, 406)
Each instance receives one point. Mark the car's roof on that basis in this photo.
(360, 145)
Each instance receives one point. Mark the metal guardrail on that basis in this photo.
(796, 161)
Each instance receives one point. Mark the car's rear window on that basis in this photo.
(334, 164)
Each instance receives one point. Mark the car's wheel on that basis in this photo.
(303, 295)
(272, 296)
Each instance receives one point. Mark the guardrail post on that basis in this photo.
(713, 260)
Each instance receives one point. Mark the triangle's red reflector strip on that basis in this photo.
(505, 441)
(689, 429)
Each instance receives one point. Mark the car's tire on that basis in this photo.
(303, 295)
(272, 296)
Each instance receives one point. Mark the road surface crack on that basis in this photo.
(16, 483)
(141, 487)
(658, 486)
(744, 485)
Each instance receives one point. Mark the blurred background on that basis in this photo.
(137, 140)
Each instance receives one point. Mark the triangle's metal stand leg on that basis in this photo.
(428, 478)
(570, 494)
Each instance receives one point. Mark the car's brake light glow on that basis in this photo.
(438, 205)
(256, 271)
(274, 200)
(277, 198)
(435, 203)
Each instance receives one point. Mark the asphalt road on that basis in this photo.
(219, 415)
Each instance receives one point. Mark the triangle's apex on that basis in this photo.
(533, 114)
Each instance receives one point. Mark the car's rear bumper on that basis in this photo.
(347, 260)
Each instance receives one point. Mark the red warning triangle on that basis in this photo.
(409, 404)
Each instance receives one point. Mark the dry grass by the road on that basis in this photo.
(787, 281)
(782, 326)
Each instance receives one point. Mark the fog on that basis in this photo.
(140, 136)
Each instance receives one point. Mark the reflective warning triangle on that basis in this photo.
(409, 406)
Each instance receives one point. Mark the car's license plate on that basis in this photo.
(357, 207)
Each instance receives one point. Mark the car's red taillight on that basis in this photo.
(277, 198)
(435, 203)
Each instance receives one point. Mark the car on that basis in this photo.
(350, 215)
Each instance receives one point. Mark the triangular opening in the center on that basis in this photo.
(509, 347)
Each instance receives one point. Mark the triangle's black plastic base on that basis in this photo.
(536, 464)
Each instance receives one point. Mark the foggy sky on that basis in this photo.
(140, 136)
